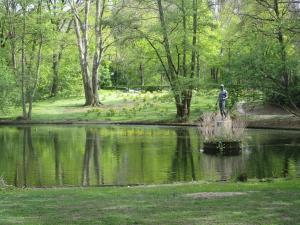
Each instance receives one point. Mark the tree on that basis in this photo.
(82, 30)
(61, 27)
(263, 52)
(26, 37)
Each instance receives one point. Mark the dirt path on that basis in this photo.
(213, 195)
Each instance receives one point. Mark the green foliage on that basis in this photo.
(9, 95)
(251, 51)
(262, 58)
(105, 74)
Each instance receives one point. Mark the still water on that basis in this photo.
(46, 156)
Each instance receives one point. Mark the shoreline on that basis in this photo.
(159, 185)
(253, 124)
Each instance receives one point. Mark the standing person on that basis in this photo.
(223, 95)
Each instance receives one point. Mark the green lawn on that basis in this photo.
(276, 202)
(117, 106)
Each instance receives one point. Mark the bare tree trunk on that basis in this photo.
(55, 70)
(37, 76)
(81, 30)
(100, 6)
(90, 83)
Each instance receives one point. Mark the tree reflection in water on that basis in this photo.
(48, 156)
(91, 151)
(30, 162)
(58, 166)
(183, 168)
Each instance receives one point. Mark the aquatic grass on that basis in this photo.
(211, 133)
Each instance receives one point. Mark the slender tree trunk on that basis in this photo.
(188, 94)
(171, 67)
(55, 71)
(141, 68)
(198, 67)
(23, 88)
(184, 68)
(37, 76)
(194, 42)
(280, 38)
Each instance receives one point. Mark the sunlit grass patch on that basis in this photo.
(118, 106)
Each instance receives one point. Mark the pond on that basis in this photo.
(94, 155)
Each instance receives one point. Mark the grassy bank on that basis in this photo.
(145, 108)
(117, 106)
(275, 202)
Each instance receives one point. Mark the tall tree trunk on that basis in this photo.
(55, 71)
(90, 81)
(280, 38)
(59, 26)
(81, 31)
(194, 41)
(98, 51)
(23, 88)
(171, 67)
(37, 76)
(180, 96)
(188, 95)
(184, 68)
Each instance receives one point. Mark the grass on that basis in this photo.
(117, 106)
(275, 202)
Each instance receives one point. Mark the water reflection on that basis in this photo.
(43, 156)
(183, 168)
(91, 158)
(58, 166)
(223, 167)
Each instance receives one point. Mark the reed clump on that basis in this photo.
(233, 130)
